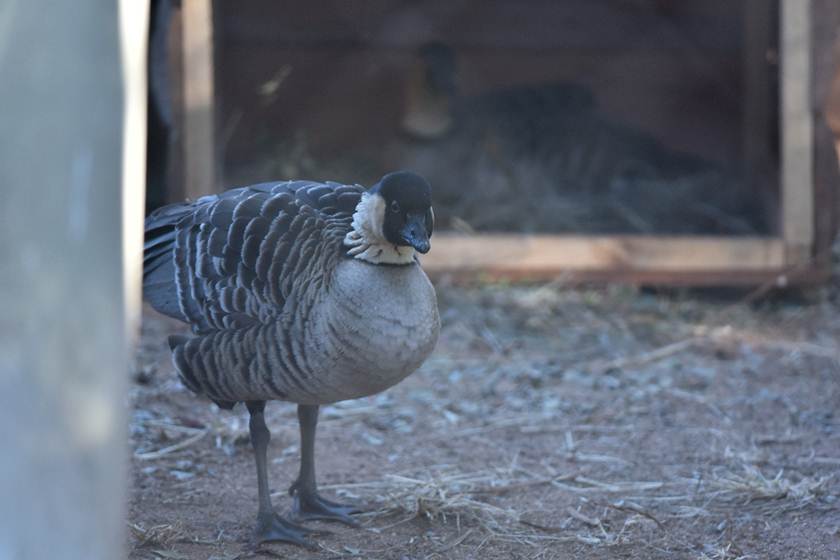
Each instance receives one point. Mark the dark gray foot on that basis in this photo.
(310, 506)
(273, 528)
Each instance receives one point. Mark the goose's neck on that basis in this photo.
(427, 114)
(366, 241)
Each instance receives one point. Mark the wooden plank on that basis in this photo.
(200, 175)
(825, 49)
(825, 53)
(542, 253)
(797, 130)
(828, 70)
(134, 22)
(826, 184)
(799, 276)
(640, 260)
(487, 24)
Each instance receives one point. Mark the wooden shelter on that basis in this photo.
(327, 68)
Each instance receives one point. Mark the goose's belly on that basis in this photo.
(380, 323)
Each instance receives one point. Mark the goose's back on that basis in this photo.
(231, 261)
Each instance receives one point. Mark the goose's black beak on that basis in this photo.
(414, 233)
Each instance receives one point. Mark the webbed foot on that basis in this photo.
(271, 527)
(310, 506)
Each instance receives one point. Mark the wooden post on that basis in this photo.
(63, 350)
(825, 54)
(134, 24)
(797, 131)
(199, 107)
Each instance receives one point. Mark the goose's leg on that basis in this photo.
(308, 504)
(270, 526)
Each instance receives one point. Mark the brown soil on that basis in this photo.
(549, 423)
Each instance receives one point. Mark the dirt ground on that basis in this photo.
(550, 423)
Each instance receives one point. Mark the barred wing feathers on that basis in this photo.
(231, 260)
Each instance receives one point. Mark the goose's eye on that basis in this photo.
(395, 206)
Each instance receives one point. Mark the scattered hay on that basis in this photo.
(723, 552)
(682, 453)
(446, 496)
(158, 535)
(752, 485)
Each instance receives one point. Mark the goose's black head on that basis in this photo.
(408, 219)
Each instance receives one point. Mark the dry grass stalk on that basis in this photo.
(723, 553)
(591, 485)
(602, 366)
(444, 496)
(157, 535)
(752, 485)
(591, 521)
(761, 341)
(447, 496)
(171, 448)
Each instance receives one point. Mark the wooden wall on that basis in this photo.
(670, 68)
(702, 75)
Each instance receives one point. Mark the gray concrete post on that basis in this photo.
(63, 344)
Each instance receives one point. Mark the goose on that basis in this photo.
(549, 151)
(297, 291)
(521, 115)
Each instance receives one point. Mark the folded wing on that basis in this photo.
(231, 260)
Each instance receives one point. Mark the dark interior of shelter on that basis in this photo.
(581, 116)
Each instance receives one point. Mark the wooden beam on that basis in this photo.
(800, 276)
(200, 175)
(134, 25)
(825, 79)
(608, 253)
(797, 130)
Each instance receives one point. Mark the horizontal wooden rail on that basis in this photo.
(681, 260)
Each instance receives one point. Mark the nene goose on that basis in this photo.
(521, 115)
(548, 151)
(296, 291)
